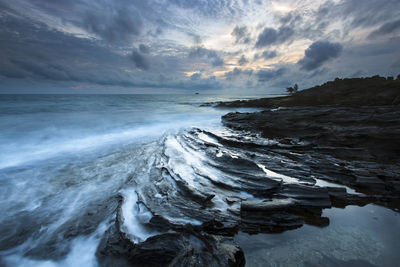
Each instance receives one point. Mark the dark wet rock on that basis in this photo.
(306, 196)
(28, 225)
(201, 198)
(230, 201)
(261, 179)
(114, 248)
(177, 249)
(227, 228)
(188, 248)
(268, 206)
(256, 220)
(15, 232)
(340, 198)
(282, 214)
(354, 146)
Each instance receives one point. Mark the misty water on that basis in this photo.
(64, 158)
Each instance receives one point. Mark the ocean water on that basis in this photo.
(65, 158)
(37, 127)
(356, 237)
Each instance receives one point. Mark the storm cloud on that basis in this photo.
(266, 75)
(270, 36)
(318, 53)
(387, 28)
(242, 60)
(228, 45)
(200, 52)
(241, 34)
(236, 73)
(266, 55)
(140, 60)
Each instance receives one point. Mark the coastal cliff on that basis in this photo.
(371, 91)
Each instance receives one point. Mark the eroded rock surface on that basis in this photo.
(354, 146)
(273, 171)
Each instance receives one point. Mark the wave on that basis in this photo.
(188, 186)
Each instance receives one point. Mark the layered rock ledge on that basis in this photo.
(355, 146)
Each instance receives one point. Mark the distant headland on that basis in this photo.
(370, 91)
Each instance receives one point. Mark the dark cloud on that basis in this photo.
(269, 74)
(120, 25)
(242, 60)
(386, 28)
(357, 13)
(139, 60)
(290, 19)
(236, 72)
(31, 52)
(270, 36)
(112, 42)
(318, 53)
(144, 49)
(195, 76)
(267, 37)
(396, 64)
(217, 61)
(210, 8)
(266, 55)
(46, 54)
(367, 12)
(241, 35)
(113, 21)
(212, 55)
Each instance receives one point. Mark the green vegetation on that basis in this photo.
(292, 90)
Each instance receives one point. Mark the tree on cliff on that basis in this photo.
(292, 90)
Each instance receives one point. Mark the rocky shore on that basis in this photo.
(317, 158)
(346, 131)
(269, 172)
(191, 194)
(355, 146)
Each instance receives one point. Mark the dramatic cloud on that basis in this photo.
(222, 45)
(195, 76)
(386, 28)
(119, 25)
(318, 53)
(242, 60)
(236, 72)
(270, 36)
(268, 74)
(241, 35)
(144, 49)
(139, 60)
(266, 55)
(212, 55)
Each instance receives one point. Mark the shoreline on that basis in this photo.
(350, 120)
(370, 91)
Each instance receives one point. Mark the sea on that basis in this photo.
(63, 157)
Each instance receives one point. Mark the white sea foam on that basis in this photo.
(135, 217)
(40, 151)
(183, 220)
(208, 139)
(82, 253)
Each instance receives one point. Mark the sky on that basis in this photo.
(187, 46)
